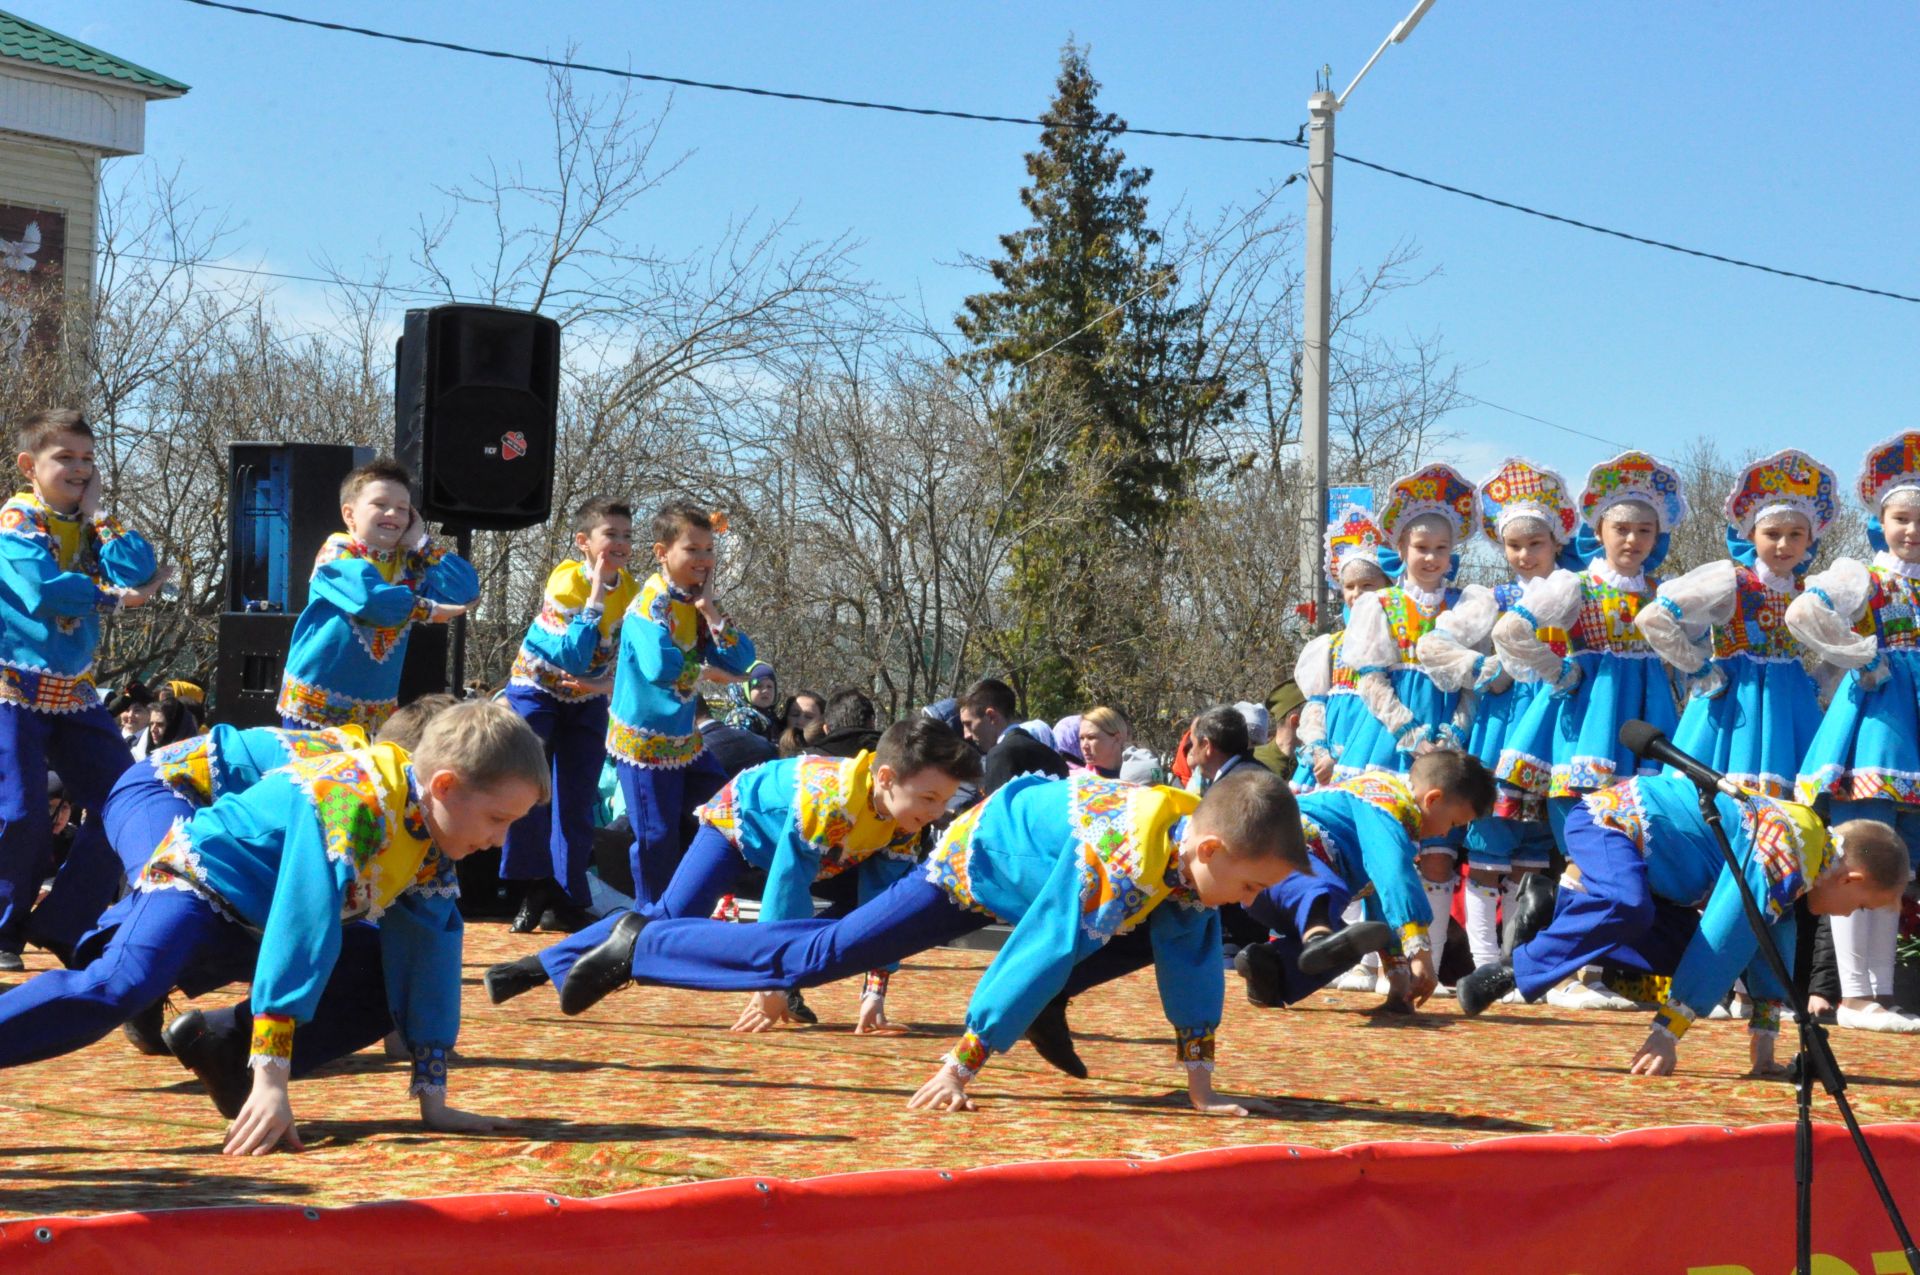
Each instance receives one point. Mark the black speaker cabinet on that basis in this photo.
(476, 392)
(252, 658)
(283, 501)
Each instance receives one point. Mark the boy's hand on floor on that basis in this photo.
(945, 1092)
(437, 1115)
(873, 1019)
(267, 1118)
(1657, 1057)
(1201, 1094)
(1422, 977)
(764, 1011)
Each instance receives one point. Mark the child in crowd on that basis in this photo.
(257, 886)
(371, 584)
(1525, 509)
(1407, 712)
(1644, 857)
(1610, 674)
(561, 683)
(1864, 760)
(64, 562)
(1067, 865)
(1358, 562)
(1363, 834)
(673, 628)
(800, 820)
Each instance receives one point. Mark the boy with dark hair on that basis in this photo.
(561, 683)
(673, 628)
(849, 724)
(988, 716)
(1642, 860)
(371, 584)
(1068, 865)
(64, 562)
(801, 820)
(256, 887)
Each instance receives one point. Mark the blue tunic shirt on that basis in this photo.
(664, 641)
(59, 573)
(1367, 829)
(228, 759)
(351, 640)
(1069, 864)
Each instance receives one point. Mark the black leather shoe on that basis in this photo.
(605, 969)
(1265, 974)
(1532, 909)
(532, 905)
(11, 963)
(564, 916)
(1052, 1039)
(219, 1062)
(143, 1030)
(1482, 988)
(799, 1010)
(1341, 950)
(510, 978)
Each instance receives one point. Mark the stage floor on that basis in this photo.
(650, 1088)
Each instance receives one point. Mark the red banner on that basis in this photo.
(1691, 1201)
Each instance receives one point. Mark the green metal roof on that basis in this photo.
(31, 42)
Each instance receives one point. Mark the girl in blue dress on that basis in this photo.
(1609, 673)
(1356, 548)
(1407, 713)
(1525, 509)
(1865, 758)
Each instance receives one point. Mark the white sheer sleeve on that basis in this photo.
(1455, 653)
(1376, 690)
(1552, 602)
(1369, 645)
(1313, 670)
(1822, 618)
(1312, 734)
(1678, 621)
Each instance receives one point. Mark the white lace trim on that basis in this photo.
(1887, 560)
(1778, 584)
(1427, 601)
(1603, 571)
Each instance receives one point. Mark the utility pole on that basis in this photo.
(1314, 357)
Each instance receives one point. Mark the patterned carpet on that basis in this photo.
(650, 1088)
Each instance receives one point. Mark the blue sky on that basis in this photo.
(1777, 132)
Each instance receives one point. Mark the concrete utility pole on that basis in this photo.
(1317, 320)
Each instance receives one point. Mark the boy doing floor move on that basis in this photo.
(1649, 889)
(800, 820)
(1068, 864)
(258, 884)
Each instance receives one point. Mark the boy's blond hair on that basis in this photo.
(485, 744)
(38, 431)
(1874, 849)
(409, 721)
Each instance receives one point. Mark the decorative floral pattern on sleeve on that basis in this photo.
(1791, 846)
(1619, 808)
(429, 1071)
(1193, 1046)
(968, 1056)
(272, 1042)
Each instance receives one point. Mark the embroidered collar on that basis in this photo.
(674, 591)
(1778, 584)
(1603, 571)
(1887, 560)
(365, 550)
(1176, 876)
(1426, 601)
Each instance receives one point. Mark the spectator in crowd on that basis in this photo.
(802, 720)
(850, 725)
(987, 714)
(1066, 739)
(735, 749)
(1284, 707)
(1104, 736)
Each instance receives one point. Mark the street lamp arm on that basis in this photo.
(1396, 36)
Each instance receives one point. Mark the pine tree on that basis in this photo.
(1085, 314)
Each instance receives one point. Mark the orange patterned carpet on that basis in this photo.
(650, 1088)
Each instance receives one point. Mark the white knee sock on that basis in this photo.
(1483, 928)
(1440, 898)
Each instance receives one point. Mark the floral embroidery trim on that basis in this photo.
(875, 984)
(429, 1071)
(1194, 1046)
(44, 691)
(1674, 1019)
(968, 1056)
(272, 1042)
(638, 746)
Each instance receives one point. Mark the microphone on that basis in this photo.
(1647, 741)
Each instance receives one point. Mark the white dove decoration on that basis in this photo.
(18, 254)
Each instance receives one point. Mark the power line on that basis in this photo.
(987, 118)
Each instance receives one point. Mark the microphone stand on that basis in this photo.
(1815, 1060)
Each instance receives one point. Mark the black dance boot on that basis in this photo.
(1052, 1039)
(605, 969)
(1341, 950)
(218, 1060)
(510, 978)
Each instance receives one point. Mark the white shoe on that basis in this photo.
(1719, 1011)
(1442, 989)
(1610, 999)
(1877, 1018)
(1513, 998)
(1357, 979)
(1742, 1007)
(1576, 995)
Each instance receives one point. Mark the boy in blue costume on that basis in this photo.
(800, 820)
(561, 683)
(258, 884)
(64, 562)
(1864, 760)
(673, 629)
(371, 584)
(1649, 889)
(1067, 863)
(1526, 510)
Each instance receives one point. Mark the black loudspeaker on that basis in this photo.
(283, 501)
(476, 389)
(253, 658)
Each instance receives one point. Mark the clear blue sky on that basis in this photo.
(1777, 132)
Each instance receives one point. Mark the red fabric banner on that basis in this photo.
(1688, 1201)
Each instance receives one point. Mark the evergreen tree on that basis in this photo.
(1085, 314)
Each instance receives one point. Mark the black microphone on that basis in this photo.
(1647, 741)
